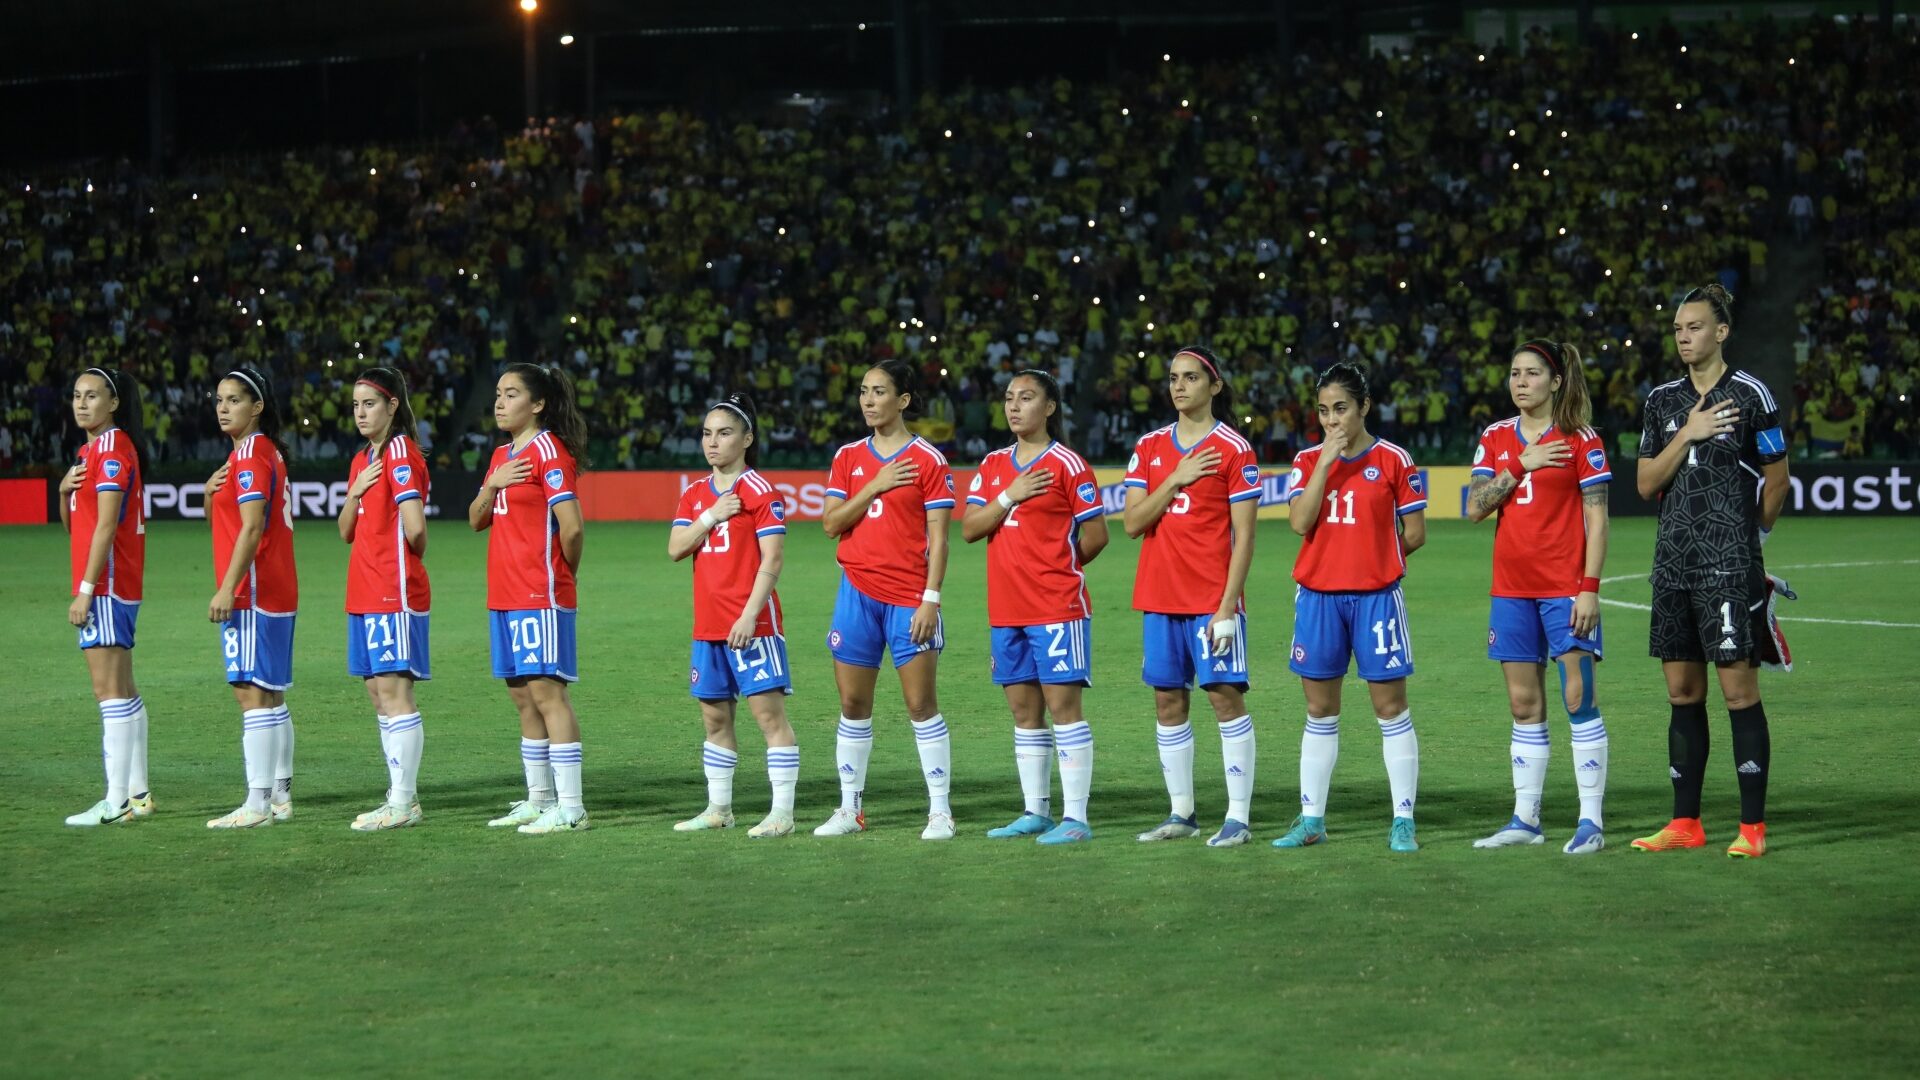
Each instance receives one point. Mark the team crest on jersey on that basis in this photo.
(246, 480)
(1373, 472)
(554, 478)
(111, 467)
(1414, 482)
(1088, 494)
(975, 486)
(949, 483)
(402, 473)
(1480, 453)
(1250, 473)
(1596, 459)
(778, 509)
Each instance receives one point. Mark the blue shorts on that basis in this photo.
(1531, 631)
(863, 628)
(724, 674)
(1177, 652)
(258, 648)
(1371, 627)
(533, 642)
(109, 624)
(1052, 653)
(388, 644)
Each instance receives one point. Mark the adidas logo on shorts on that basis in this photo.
(1728, 644)
(1061, 666)
(760, 677)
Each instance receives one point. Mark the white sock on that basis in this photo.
(783, 772)
(719, 763)
(1176, 765)
(851, 749)
(116, 746)
(936, 761)
(406, 739)
(258, 740)
(137, 750)
(1401, 749)
(1529, 750)
(1236, 752)
(1076, 767)
(1033, 758)
(1590, 767)
(566, 774)
(537, 756)
(283, 756)
(387, 756)
(1319, 750)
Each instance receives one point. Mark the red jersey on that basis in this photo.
(1033, 560)
(1184, 555)
(1540, 537)
(384, 573)
(1355, 547)
(111, 465)
(524, 568)
(725, 566)
(885, 553)
(257, 473)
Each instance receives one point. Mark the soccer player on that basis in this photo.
(258, 592)
(1043, 520)
(385, 519)
(889, 498)
(1360, 506)
(102, 507)
(1193, 494)
(1545, 473)
(739, 640)
(533, 553)
(1705, 440)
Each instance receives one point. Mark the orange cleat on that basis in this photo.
(1751, 843)
(1681, 832)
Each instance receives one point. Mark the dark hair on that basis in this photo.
(259, 387)
(742, 405)
(1572, 405)
(1050, 386)
(1716, 297)
(1348, 376)
(392, 383)
(551, 386)
(906, 382)
(130, 415)
(1223, 398)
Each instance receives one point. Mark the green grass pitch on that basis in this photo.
(450, 949)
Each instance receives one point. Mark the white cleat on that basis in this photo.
(242, 818)
(102, 813)
(142, 805)
(1174, 828)
(1515, 833)
(520, 813)
(713, 817)
(776, 824)
(939, 827)
(844, 822)
(557, 819)
(388, 816)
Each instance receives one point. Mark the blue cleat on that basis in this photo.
(1174, 828)
(1232, 834)
(1587, 839)
(1305, 832)
(1515, 833)
(1068, 831)
(1400, 838)
(1025, 825)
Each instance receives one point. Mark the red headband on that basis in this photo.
(1545, 351)
(1206, 363)
(383, 390)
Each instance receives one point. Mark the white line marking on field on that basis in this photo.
(1788, 618)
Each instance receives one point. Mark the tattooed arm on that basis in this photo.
(1485, 494)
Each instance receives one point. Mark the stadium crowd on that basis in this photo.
(1416, 212)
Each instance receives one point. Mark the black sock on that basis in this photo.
(1753, 749)
(1687, 757)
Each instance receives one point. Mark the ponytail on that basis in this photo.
(560, 411)
(1573, 405)
(391, 383)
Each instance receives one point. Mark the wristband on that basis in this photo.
(1764, 533)
(931, 596)
(707, 520)
(1517, 470)
(86, 588)
(1590, 584)
(1006, 502)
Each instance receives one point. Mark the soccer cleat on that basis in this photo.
(1751, 843)
(1400, 836)
(1174, 828)
(1587, 839)
(282, 811)
(102, 813)
(520, 813)
(939, 827)
(776, 824)
(142, 805)
(1515, 833)
(387, 816)
(1232, 834)
(557, 818)
(242, 818)
(1304, 832)
(1680, 833)
(1027, 824)
(844, 822)
(713, 817)
(1068, 831)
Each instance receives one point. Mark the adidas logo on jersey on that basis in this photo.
(1671, 427)
(859, 470)
(1503, 456)
(760, 677)
(1749, 768)
(1061, 665)
(1155, 461)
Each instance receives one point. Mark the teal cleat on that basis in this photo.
(1028, 824)
(1400, 838)
(1068, 831)
(1305, 832)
